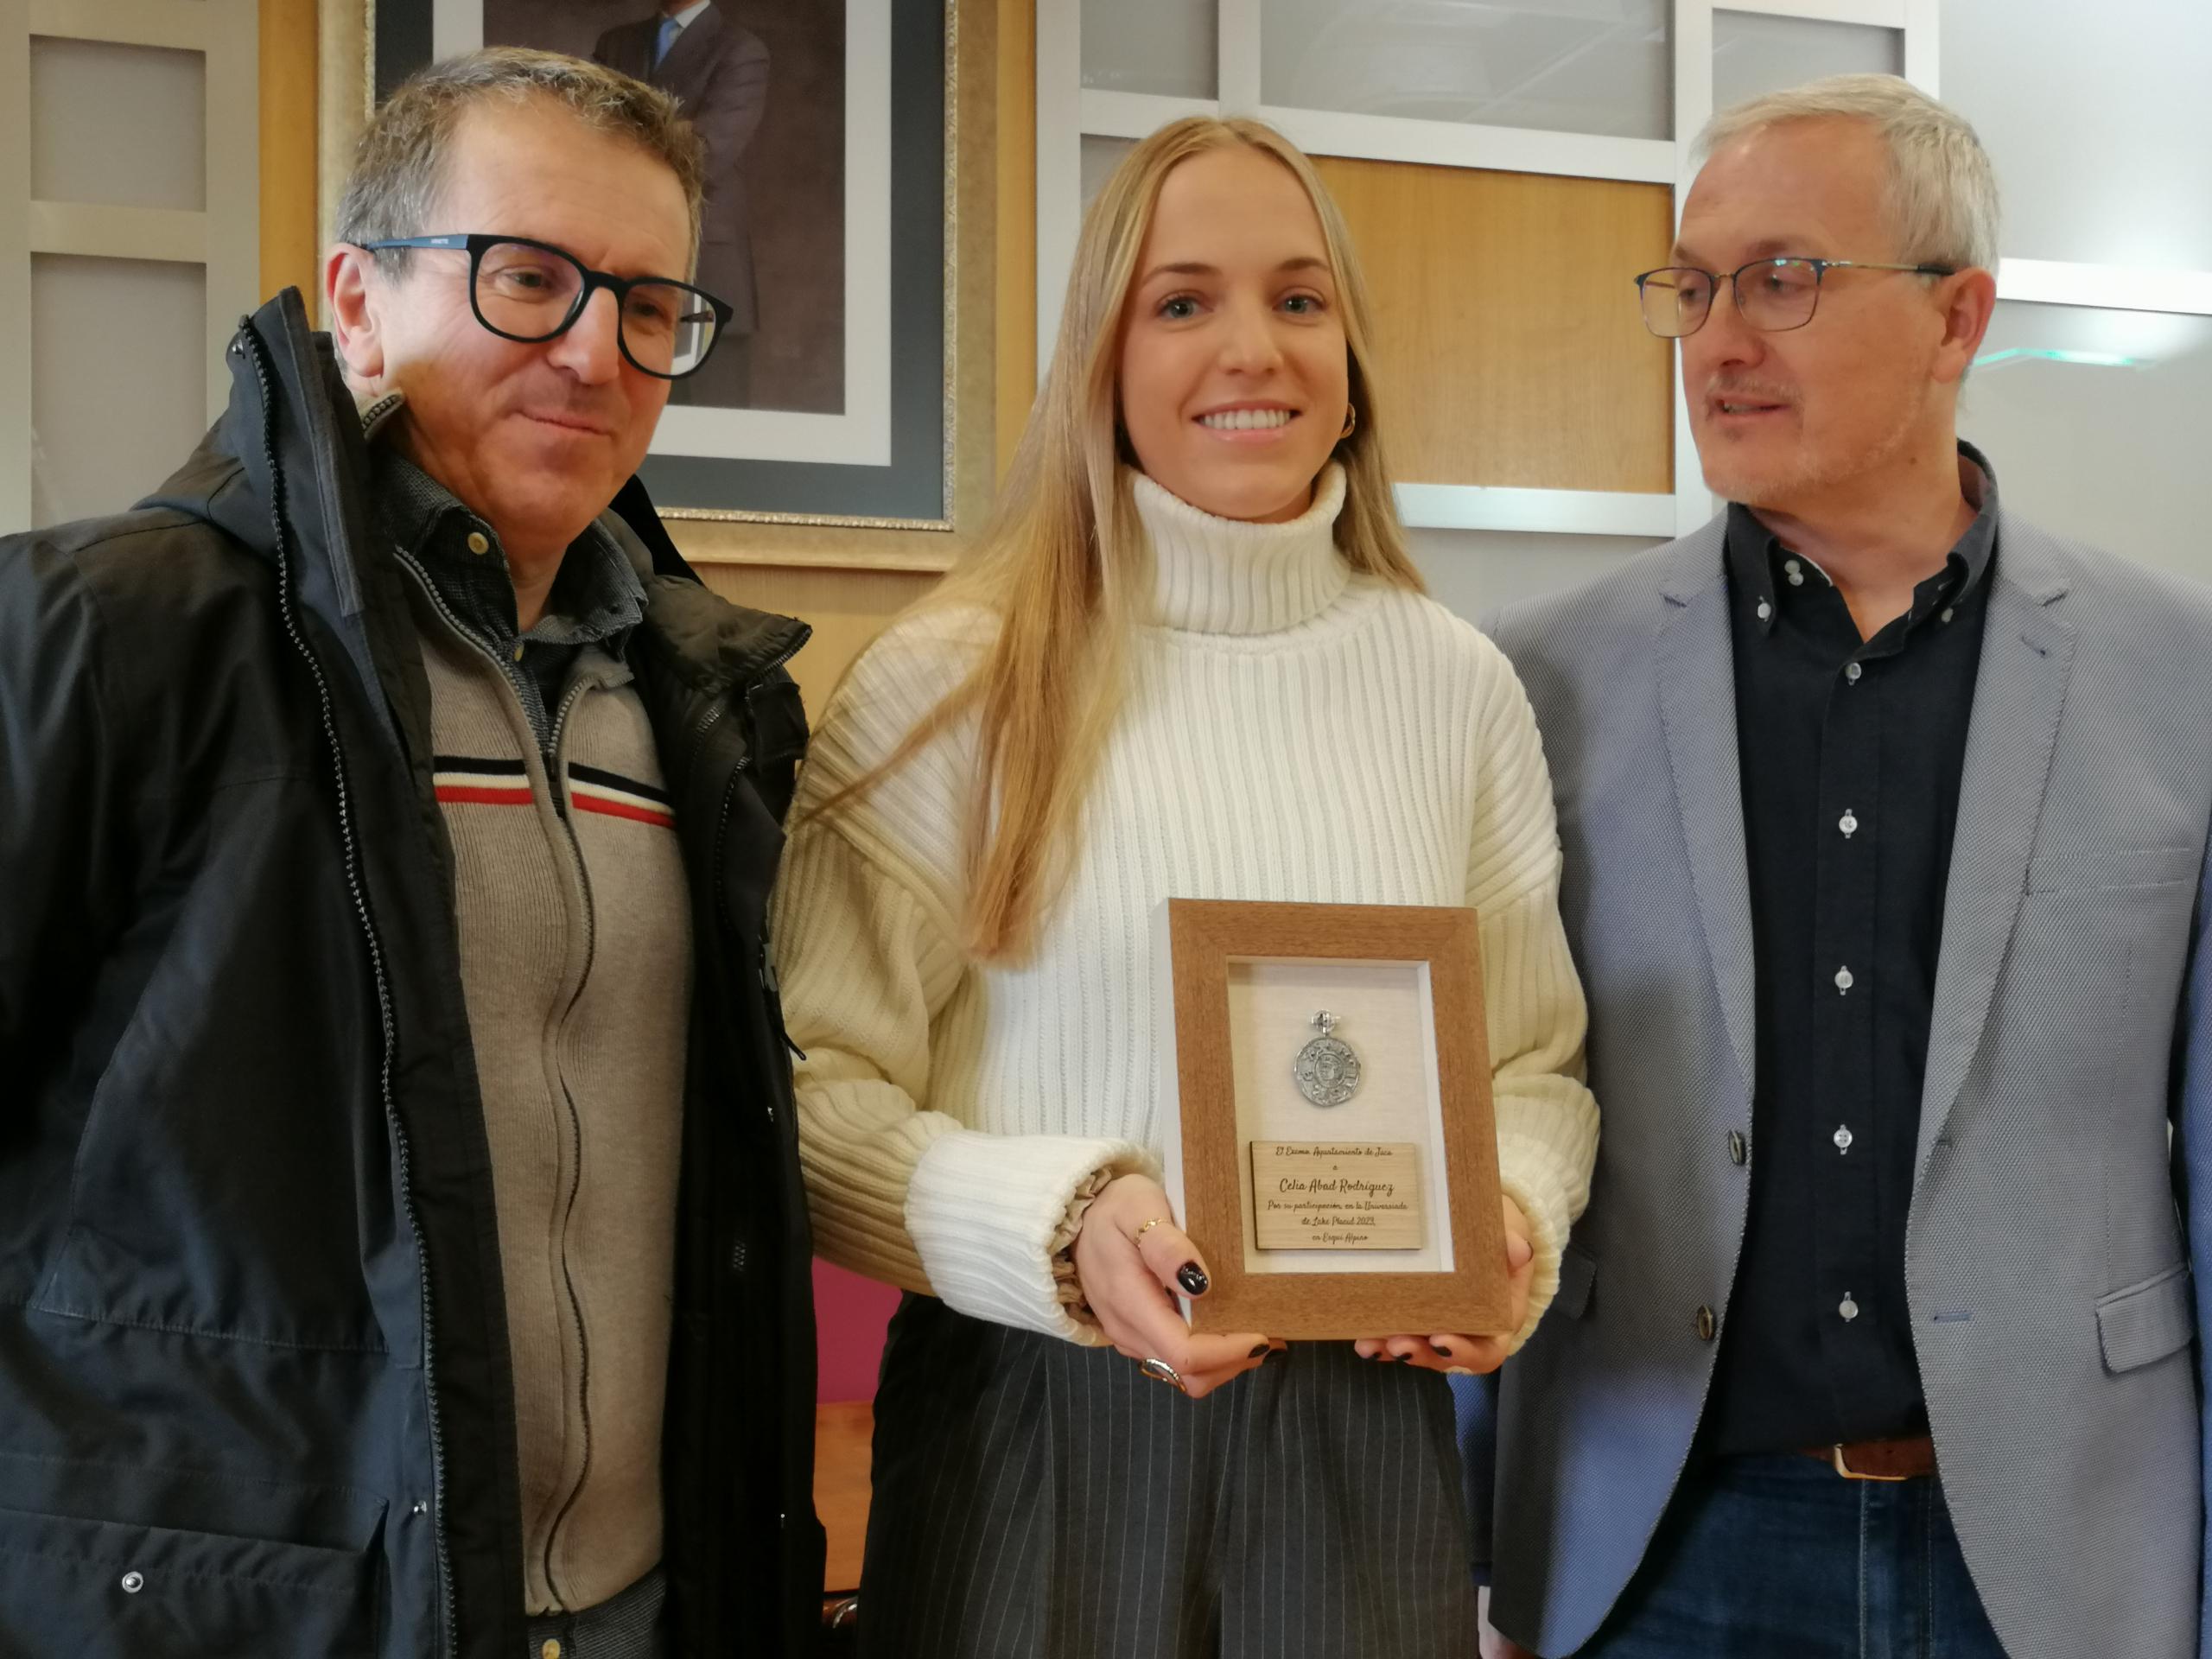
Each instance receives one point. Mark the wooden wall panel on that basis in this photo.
(290, 244)
(1015, 325)
(1509, 351)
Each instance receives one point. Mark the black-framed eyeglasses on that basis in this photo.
(527, 290)
(1782, 294)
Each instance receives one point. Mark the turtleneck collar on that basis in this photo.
(1219, 575)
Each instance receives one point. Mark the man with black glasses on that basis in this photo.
(402, 1247)
(1885, 819)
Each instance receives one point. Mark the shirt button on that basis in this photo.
(1739, 1149)
(1848, 1308)
(1842, 1137)
(477, 542)
(1844, 981)
(1850, 672)
(1705, 1325)
(1848, 823)
(550, 1651)
(1766, 610)
(518, 653)
(1946, 614)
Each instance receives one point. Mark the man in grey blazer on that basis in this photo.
(1885, 817)
(719, 73)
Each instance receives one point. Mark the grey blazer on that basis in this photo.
(2049, 1241)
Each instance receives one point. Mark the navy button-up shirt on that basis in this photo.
(1851, 751)
(597, 596)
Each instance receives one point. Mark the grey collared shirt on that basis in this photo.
(597, 597)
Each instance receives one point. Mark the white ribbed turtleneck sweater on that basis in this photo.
(1291, 731)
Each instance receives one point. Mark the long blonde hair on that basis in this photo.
(1064, 566)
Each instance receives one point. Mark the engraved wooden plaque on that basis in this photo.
(1286, 1193)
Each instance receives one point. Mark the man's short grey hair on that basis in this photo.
(1943, 189)
(399, 166)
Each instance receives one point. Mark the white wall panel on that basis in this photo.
(130, 240)
(1753, 54)
(2112, 452)
(1151, 45)
(1597, 67)
(120, 124)
(118, 379)
(2097, 120)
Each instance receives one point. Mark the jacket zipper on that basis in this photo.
(556, 767)
(350, 845)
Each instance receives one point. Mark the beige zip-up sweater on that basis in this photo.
(1291, 731)
(575, 928)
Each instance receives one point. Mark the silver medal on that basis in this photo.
(1327, 1069)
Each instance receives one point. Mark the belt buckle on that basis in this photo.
(1835, 1453)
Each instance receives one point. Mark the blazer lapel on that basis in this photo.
(2027, 655)
(1697, 707)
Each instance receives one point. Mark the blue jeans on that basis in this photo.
(1782, 1558)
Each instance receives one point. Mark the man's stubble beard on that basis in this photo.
(1809, 475)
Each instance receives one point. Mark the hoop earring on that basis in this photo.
(1351, 421)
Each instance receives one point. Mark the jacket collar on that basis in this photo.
(713, 642)
(283, 469)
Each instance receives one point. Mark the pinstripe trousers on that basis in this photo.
(1036, 1500)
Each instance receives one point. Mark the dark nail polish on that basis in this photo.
(1192, 1278)
(1260, 1352)
(1405, 1359)
(1439, 1351)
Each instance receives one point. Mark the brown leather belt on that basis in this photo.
(1905, 1460)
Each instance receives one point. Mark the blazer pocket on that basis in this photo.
(1577, 1270)
(2089, 869)
(2147, 1321)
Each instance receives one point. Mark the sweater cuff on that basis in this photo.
(988, 1212)
(1536, 1177)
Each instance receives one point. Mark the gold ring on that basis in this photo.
(1161, 1371)
(1157, 1221)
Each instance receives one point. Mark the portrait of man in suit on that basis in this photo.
(764, 82)
(720, 73)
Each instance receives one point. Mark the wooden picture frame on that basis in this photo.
(1203, 947)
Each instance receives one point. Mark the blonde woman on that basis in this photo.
(1193, 660)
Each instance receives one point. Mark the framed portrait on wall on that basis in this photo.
(831, 159)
